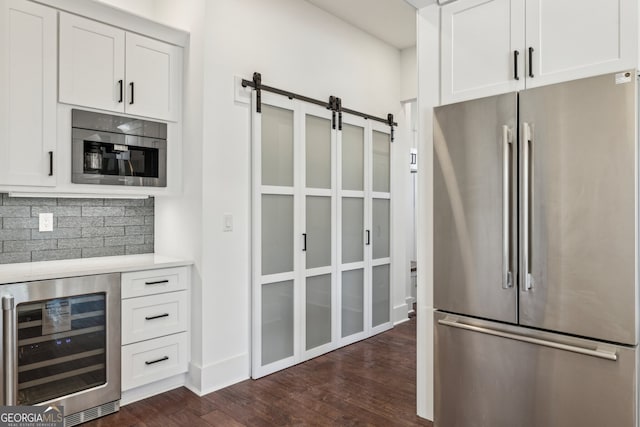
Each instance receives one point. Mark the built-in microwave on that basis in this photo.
(116, 150)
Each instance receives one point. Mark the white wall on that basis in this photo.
(409, 70)
(297, 47)
(428, 30)
(144, 8)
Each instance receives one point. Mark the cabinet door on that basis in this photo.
(91, 64)
(28, 87)
(154, 76)
(479, 41)
(572, 39)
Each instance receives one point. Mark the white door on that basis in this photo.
(571, 39)
(154, 76)
(380, 220)
(277, 235)
(353, 146)
(482, 48)
(317, 149)
(28, 101)
(91, 64)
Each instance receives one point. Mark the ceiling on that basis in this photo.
(392, 21)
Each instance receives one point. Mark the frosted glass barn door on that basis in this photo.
(318, 222)
(275, 231)
(352, 183)
(380, 222)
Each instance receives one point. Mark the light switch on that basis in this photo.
(227, 222)
(46, 222)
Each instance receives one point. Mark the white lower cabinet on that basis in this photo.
(155, 320)
(153, 360)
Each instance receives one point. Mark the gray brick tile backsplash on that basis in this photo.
(15, 234)
(80, 202)
(15, 211)
(57, 233)
(81, 221)
(138, 249)
(56, 254)
(29, 245)
(123, 220)
(56, 210)
(135, 211)
(102, 231)
(14, 257)
(82, 228)
(124, 240)
(138, 229)
(106, 251)
(102, 211)
(11, 223)
(124, 202)
(84, 242)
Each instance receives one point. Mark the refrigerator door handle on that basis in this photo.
(526, 282)
(9, 346)
(507, 138)
(602, 353)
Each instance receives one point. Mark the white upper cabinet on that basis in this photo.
(154, 77)
(479, 43)
(111, 69)
(490, 47)
(91, 63)
(28, 86)
(572, 39)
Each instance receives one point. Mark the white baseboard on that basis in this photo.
(152, 389)
(216, 376)
(400, 313)
(410, 301)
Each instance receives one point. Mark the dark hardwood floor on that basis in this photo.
(370, 383)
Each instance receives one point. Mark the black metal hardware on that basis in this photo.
(368, 237)
(159, 316)
(530, 62)
(120, 82)
(151, 362)
(259, 86)
(339, 108)
(50, 163)
(304, 241)
(332, 107)
(158, 282)
(132, 92)
(414, 159)
(391, 123)
(515, 65)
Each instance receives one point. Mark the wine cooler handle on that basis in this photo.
(9, 350)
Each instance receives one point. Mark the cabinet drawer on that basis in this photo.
(153, 360)
(152, 282)
(153, 316)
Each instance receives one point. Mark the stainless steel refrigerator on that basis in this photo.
(536, 257)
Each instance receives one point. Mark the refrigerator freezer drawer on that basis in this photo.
(493, 375)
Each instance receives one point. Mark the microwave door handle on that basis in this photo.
(9, 347)
(507, 281)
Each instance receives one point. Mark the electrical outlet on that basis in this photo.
(46, 222)
(227, 222)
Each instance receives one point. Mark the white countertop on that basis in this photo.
(44, 270)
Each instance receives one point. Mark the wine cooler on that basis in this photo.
(61, 345)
